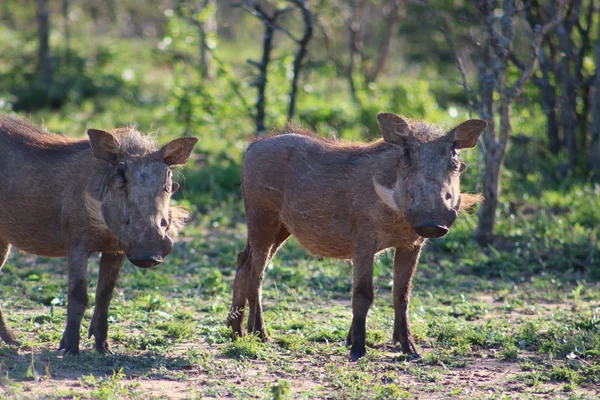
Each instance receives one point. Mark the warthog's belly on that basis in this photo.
(39, 240)
(40, 248)
(340, 249)
(330, 235)
(320, 233)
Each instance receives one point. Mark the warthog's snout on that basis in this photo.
(147, 261)
(431, 230)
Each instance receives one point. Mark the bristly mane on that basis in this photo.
(133, 142)
(332, 143)
(421, 131)
(22, 133)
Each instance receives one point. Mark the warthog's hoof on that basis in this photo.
(103, 348)
(263, 336)
(11, 341)
(68, 347)
(407, 345)
(237, 331)
(7, 335)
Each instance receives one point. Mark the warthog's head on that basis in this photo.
(426, 188)
(135, 194)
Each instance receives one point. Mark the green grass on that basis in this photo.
(538, 333)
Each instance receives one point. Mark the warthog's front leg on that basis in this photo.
(77, 298)
(405, 264)
(5, 332)
(110, 266)
(362, 296)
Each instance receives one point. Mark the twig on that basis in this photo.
(308, 18)
(541, 33)
(457, 57)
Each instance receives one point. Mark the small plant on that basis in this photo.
(248, 346)
(509, 353)
(281, 390)
(31, 371)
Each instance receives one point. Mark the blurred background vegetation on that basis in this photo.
(194, 67)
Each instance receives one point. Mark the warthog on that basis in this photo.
(351, 201)
(70, 198)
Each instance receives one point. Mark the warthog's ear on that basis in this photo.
(394, 128)
(466, 134)
(104, 145)
(178, 151)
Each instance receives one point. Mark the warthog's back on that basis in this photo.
(36, 169)
(320, 190)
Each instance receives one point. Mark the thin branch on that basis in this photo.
(457, 57)
(309, 22)
(541, 33)
(256, 10)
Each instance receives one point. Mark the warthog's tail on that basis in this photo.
(5, 333)
(243, 256)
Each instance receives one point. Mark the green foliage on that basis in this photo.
(248, 346)
(281, 390)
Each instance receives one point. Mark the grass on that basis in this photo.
(480, 336)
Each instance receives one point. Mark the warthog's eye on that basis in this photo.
(454, 164)
(454, 161)
(164, 223)
(405, 161)
(120, 176)
(168, 187)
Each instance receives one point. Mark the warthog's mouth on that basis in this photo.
(146, 262)
(431, 231)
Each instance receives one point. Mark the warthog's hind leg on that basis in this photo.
(110, 266)
(265, 235)
(5, 332)
(235, 318)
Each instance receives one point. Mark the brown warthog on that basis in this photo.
(350, 201)
(109, 193)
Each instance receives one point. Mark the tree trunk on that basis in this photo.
(595, 109)
(308, 18)
(389, 37)
(206, 29)
(494, 160)
(261, 81)
(67, 26)
(548, 100)
(354, 44)
(44, 60)
(568, 97)
(113, 10)
(491, 190)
